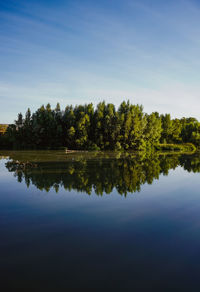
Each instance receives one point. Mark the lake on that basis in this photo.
(99, 221)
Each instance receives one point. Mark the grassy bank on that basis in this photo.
(187, 147)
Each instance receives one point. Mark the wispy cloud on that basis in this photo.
(82, 52)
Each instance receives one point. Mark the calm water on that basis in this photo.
(101, 222)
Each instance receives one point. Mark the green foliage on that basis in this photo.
(84, 127)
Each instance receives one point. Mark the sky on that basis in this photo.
(82, 51)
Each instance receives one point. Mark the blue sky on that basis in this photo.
(81, 51)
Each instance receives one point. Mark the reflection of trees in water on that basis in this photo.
(126, 174)
(190, 164)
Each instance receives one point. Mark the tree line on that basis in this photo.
(84, 127)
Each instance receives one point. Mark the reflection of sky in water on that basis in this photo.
(144, 239)
(175, 191)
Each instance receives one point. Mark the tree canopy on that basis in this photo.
(84, 127)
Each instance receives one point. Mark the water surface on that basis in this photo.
(99, 221)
